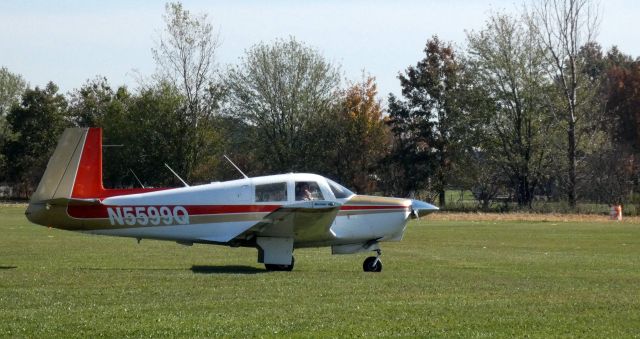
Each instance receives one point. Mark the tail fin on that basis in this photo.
(73, 178)
(74, 171)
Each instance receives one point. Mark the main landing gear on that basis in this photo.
(276, 267)
(373, 264)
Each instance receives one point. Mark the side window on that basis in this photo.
(271, 192)
(308, 190)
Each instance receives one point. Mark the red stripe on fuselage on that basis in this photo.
(100, 211)
(372, 207)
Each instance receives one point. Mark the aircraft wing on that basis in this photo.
(303, 221)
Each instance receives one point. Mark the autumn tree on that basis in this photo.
(622, 93)
(360, 136)
(623, 99)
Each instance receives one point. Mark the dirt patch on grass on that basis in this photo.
(553, 217)
(13, 204)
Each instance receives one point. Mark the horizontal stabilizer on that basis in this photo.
(72, 202)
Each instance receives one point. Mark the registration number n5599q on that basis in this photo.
(148, 215)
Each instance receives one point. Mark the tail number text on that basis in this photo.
(148, 215)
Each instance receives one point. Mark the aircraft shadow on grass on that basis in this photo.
(199, 269)
(127, 269)
(234, 269)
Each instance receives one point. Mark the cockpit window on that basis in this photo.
(339, 191)
(308, 190)
(271, 192)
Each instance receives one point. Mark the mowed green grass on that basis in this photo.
(449, 279)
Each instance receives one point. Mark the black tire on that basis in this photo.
(276, 267)
(289, 268)
(370, 265)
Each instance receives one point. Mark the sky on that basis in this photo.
(69, 41)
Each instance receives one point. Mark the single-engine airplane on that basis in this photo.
(275, 213)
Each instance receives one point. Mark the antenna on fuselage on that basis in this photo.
(135, 176)
(234, 165)
(176, 174)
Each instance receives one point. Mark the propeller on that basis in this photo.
(421, 208)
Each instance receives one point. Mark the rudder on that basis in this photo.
(59, 176)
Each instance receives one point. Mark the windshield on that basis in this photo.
(339, 191)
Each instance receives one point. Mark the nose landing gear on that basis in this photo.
(373, 264)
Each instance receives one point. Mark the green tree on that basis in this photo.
(185, 58)
(149, 131)
(93, 103)
(11, 87)
(133, 121)
(564, 26)
(96, 104)
(604, 173)
(36, 123)
(510, 67)
(285, 91)
(427, 123)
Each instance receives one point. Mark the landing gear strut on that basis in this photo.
(276, 267)
(373, 264)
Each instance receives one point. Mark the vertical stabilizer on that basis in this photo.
(73, 178)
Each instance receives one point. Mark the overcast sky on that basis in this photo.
(69, 41)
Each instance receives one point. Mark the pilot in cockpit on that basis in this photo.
(302, 192)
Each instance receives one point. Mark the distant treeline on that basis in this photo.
(533, 108)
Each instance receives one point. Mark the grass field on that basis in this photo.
(447, 278)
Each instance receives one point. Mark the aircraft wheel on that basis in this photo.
(370, 265)
(276, 267)
(289, 268)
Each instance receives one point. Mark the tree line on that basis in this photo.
(532, 108)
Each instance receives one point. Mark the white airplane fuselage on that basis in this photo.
(225, 207)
